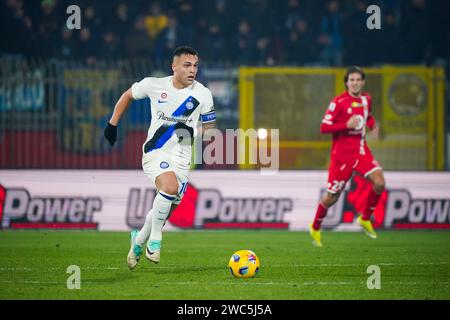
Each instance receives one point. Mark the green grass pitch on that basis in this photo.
(194, 265)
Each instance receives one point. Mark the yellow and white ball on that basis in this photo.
(244, 264)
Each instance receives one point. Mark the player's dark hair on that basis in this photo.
(352, 70)
(184, 50)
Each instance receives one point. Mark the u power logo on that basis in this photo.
(208, 208)
(20, 209)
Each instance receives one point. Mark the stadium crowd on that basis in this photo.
(244, 32)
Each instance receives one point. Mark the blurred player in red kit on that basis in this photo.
(346, 119)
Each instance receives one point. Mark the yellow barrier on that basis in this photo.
(408, 104)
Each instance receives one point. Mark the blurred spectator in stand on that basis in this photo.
(358, 45)
(156, 21)
(277, 52)
(256, 13)
(293, 14)
(263, 51)
(66, 48)
(214, 44)
(87, 47)
(185, 20)
(394, 7)
(386, 45)
(415, 32)
(243, 46)
(439, 24)
(267, 28)
(123, 22)
(172, 36)
(330, 38)
(137, 44)
(92, 21)
(411, 30)
(300, 46)
(111, 46)
(166, 42)
(17, 29)
(48, 28)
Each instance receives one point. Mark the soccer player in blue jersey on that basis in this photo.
(178, 102)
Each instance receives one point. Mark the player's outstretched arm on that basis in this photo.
(121, 105)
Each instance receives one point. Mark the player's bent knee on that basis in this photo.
(379, 186)
(167, 183)
(170, 188)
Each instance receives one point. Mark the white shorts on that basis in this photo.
(157, 162)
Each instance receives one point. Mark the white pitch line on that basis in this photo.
(199, 268)
(200, 283)
(358, 264)
(248, 283)
(30, 282)
(55, 269)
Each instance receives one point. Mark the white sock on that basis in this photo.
(143, 235)
(161, 209)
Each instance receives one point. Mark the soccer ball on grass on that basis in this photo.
(244, 264)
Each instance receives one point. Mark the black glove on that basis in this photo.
(183, 132)
(111, 134)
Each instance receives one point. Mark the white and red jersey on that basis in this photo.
(348, 143)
